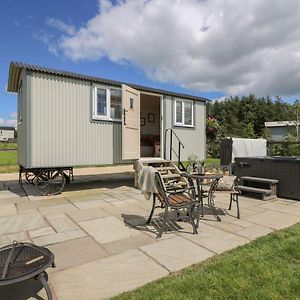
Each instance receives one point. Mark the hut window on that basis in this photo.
(20, 104)
(107, 103)
(183, 113)
(101, 102)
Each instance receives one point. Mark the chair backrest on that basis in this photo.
(212, 189)
(160, 186)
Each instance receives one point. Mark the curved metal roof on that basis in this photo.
(16, 68)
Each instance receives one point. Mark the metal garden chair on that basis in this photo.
(183, 199)
(234, 196)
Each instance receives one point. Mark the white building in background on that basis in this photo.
(6, 133)
(280, 129)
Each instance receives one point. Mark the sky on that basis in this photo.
(210, 48)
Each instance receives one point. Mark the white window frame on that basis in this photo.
(106, 117)
(182, 124)
(20, 104)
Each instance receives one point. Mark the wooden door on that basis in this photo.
(130, 123)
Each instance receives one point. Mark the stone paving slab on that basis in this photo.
(9, 238)
(176, 253)
(19, 223)
(15, 200)
(128, 243)
(91, 204)
(214, 239)
(279, 206)
(107, 229)
(7, 209)
(254, 232)
(87, 214)
(41, 232)
(109, 276)
(101, 224)
(273, 219)
(57, 209)
(63, 224)
(76, 252)
(58, 237)
(7, 195)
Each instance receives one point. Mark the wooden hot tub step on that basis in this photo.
(265, 194)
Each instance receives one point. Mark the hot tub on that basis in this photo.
(284, 169)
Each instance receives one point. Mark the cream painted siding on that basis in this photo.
(23, 121)
(194, 139)
(62, 130)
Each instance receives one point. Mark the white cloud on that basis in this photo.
(220, 99)
(47, 39)
(11, 122)
(61, 26)
(233, 46)
(13, 115)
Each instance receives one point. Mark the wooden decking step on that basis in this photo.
(165, 169)
(258, 179)
(153, 160)
(168, 176)
(251, 189)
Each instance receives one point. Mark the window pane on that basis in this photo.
(188, 111)
(178, 111)
(101, 102)
(115, 104)
(131, 105)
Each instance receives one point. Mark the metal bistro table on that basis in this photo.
(201, 194)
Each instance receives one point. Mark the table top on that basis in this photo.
(202, 176)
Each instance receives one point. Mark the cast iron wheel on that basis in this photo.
(30, 177)
(50, 182)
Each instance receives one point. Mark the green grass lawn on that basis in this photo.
(268, 268)
(212, 161)
(4, 145)
(8, 161)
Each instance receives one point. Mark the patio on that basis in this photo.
(101, 245)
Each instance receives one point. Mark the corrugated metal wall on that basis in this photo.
(23, 110)
(63, 133)
(194, 139)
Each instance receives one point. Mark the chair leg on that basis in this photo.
(198, 215)
(231, 196)
(237, 206)
(152, 210)
(164, 223)
(191, 209)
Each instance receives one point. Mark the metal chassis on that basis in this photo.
(68, 171)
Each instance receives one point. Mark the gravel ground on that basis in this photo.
(80, 171)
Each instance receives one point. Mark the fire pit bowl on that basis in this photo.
(22, 261)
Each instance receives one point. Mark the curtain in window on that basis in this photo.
(178, 111)
(101, 102)
(115, 104)
(188, 110)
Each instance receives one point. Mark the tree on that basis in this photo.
(245, 117)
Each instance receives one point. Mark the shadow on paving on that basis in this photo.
(173, 222)
(80, 183)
